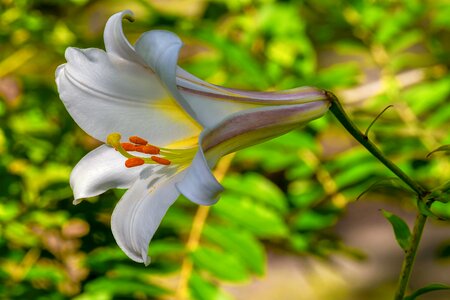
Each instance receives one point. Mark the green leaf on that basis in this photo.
(101, 259)
(258, 188)
(426, 289)
(33, 121)
(311, 221)
(406, 40)
(441, 193)
(201, 289)
(20, 234)
(339, 75)
(223, 265)
(278, 154)
(441, 210)
(301, 242)
(47, 219)
(124, 287)
(304, 193)
(427, 96)
(352, 174)
(165, 248)
(240, 243)
(401, 229)
(258, 219)
(43, 272)
(391, 184)
(8, 211)
(444, 148)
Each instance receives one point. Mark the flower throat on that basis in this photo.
(155, 155)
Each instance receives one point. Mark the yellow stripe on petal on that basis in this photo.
(173, 111)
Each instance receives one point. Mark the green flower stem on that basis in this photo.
(341, 115)
(410, 256)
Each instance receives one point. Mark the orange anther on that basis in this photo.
(137, 140)
(160, 160)
(149, 149)
(128, 146)
(134, 162)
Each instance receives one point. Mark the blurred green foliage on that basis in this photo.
(285, 194)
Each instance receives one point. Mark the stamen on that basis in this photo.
(134, 162)
(160, 160)
(129, 146)
(137, 140)
(148, 149)
(162, 156)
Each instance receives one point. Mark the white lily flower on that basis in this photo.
(141, 93)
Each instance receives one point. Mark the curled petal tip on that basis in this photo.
(115, 40)
(145, 258)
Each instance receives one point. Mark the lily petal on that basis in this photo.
(254, 126)
(212, 104)
(199, 185)
(115, 41)
(100, 170)
(140, 211)
(160, 49)
(104, 93)
(236, 132)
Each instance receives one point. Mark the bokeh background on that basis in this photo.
(290, 224)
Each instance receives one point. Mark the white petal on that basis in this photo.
(199, 185)
(140, 211)
(105, 94)
(159, 49)
(257, 125)
(115, 41)
(100, 170)
(204, 100)
(212, 104)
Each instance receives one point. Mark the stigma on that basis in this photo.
(151, 154)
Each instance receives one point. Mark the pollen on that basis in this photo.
(128, 146)
(148, 149)
(137, 140)
(134, 162)
(160, 160)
